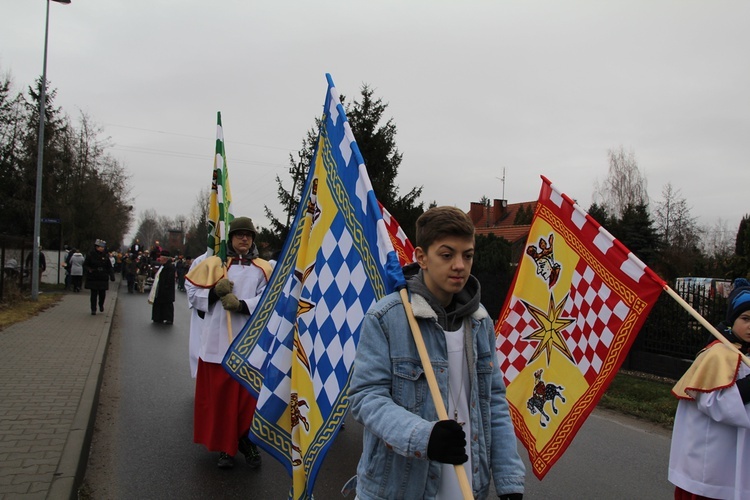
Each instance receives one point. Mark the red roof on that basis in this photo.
(510, 233)
(498, 220)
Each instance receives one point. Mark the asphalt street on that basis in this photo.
(142, 442)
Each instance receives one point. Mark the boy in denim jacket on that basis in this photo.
(407, 452)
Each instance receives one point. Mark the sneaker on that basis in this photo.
(252, 455)
(226, 461)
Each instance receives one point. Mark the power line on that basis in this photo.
(179, 154)
(200, 137)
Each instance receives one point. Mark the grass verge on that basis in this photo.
(642, 396)
(16, 307)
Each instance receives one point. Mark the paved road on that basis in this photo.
(143, 437)
(143, 446)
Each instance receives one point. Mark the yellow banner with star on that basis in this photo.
(577, 302)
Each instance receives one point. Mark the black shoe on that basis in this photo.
(101, 308)
(93, 312)
(225, 461)
(252, 455)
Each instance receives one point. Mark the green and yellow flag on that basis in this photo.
(219, 214)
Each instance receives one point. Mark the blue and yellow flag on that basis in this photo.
(296, 351)
(220, 199)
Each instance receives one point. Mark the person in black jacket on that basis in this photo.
(99, 272)
(163, 307)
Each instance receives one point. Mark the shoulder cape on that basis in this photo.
(209, 271)
(716, 367)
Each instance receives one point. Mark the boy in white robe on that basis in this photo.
(710, 449)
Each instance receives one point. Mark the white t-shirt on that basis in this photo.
(458, 404)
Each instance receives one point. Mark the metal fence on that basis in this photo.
(13, 272)
(671, 337)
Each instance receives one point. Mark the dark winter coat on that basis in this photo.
(98, 270)
(165, 290)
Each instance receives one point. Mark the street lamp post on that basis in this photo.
(38, 201)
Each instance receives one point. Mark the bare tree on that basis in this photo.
(624, 186)
(718, 240)
(148, 227)
(676, 227)
(197, 235)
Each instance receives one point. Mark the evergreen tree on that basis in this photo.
(741, 261)
(492, 268)
(377, 144)
(82, 186)
(636, 231)
(289, 199)
(524, 215)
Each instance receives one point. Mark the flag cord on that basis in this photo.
(705, 323)
(463, 479)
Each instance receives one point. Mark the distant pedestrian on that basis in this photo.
(142, 268)
(66, 266)
(129, 270)
(162, 310)
(42, 263)
(155, 251)
(711, 433)
(99, 272)
(181, 268)
(75, 265)
(136, 248)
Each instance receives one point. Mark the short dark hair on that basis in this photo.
(439, 222)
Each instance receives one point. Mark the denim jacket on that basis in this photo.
(390, 397)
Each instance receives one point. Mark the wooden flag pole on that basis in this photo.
(705, 323)
(229, 315)
(437, 399)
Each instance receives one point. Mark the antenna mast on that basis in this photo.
(502, 179)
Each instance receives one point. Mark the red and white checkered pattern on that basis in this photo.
(598, 312)
(609, 295)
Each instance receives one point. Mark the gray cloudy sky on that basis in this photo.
(534, 87)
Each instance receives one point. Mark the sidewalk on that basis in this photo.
(50, 371)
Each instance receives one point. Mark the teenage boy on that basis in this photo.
(407, 452)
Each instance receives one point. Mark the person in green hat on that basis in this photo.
(223, 408)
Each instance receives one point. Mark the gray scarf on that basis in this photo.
(464, 303)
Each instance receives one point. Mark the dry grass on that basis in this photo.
(18, 308)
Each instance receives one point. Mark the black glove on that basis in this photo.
(743, 385)
(447, 443)
(511, 496)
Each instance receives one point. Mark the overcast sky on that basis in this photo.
(474, 87)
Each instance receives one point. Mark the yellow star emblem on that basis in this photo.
(550, 327)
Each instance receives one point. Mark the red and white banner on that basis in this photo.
(576, 304)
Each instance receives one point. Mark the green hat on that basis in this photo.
(241, 224)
